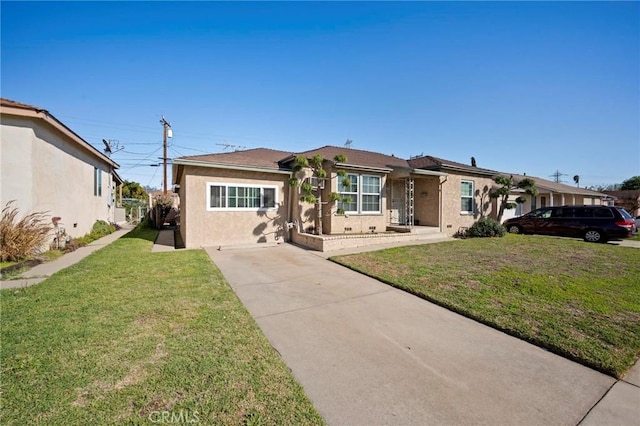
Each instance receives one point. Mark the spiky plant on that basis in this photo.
(23, 238)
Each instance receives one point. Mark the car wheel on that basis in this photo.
(594, 236)
(514, 229)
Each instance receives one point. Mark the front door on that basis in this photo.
(398, 204)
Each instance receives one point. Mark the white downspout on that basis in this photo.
(440, 221)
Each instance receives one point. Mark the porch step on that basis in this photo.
(414, 229)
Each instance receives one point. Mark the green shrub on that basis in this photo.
(486, 227)
(24, 238)
(101, 229)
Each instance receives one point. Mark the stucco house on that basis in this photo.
(552, 193)
(246, 197)
(46, 167)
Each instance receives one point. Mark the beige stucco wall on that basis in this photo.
(203, 228)
(43, 171)
(453, 219)
(426, 201)
(183, 220)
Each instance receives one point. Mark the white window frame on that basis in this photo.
(469, 197)
(363, 194)
(358, 196)
(227, 185)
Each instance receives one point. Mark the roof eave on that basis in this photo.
(195, 163)
(364, 168)
(424, 172)
(469, 171)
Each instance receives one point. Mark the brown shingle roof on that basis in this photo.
(429, 162)
(358, 157)
(544, 184)
(14, 104)
(258, 157)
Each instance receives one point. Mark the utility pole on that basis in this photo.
(557, 176)
(166, 132)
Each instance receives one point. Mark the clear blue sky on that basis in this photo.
(529, 87)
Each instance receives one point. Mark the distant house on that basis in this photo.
(552, 193)
(46, 166)
(628, 199)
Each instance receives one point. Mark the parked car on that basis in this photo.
(592, 223)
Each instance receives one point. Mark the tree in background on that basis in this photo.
(506, 186)
(133, 190)
(631, 184)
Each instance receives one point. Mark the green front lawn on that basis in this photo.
(577, 299)
(127, 336)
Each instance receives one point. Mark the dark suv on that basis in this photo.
(596, 224)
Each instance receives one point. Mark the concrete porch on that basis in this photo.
(393, 234)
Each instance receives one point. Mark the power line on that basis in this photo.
(557, 175)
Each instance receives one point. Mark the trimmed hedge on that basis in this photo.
(486, 227)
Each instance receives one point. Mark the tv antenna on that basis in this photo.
(232, 146)
(348, 143)
(111, 146)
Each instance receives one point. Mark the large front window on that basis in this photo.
(466, 197)
(223, 196)
(363, 193)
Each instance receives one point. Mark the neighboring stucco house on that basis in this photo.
(46, 167)
(552, 193)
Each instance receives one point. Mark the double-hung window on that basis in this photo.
(349, 193)
(363, 193)
(370, 194)
(466, 197)
(228, 196)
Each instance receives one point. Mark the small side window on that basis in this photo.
(603, 213)
(584, 212)
(544, 214)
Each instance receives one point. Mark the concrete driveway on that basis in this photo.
(368, 354)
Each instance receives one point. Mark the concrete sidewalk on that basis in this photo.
(369, 354)
(164, 241)
(42, 271)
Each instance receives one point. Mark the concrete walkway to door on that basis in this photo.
(369, 354)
